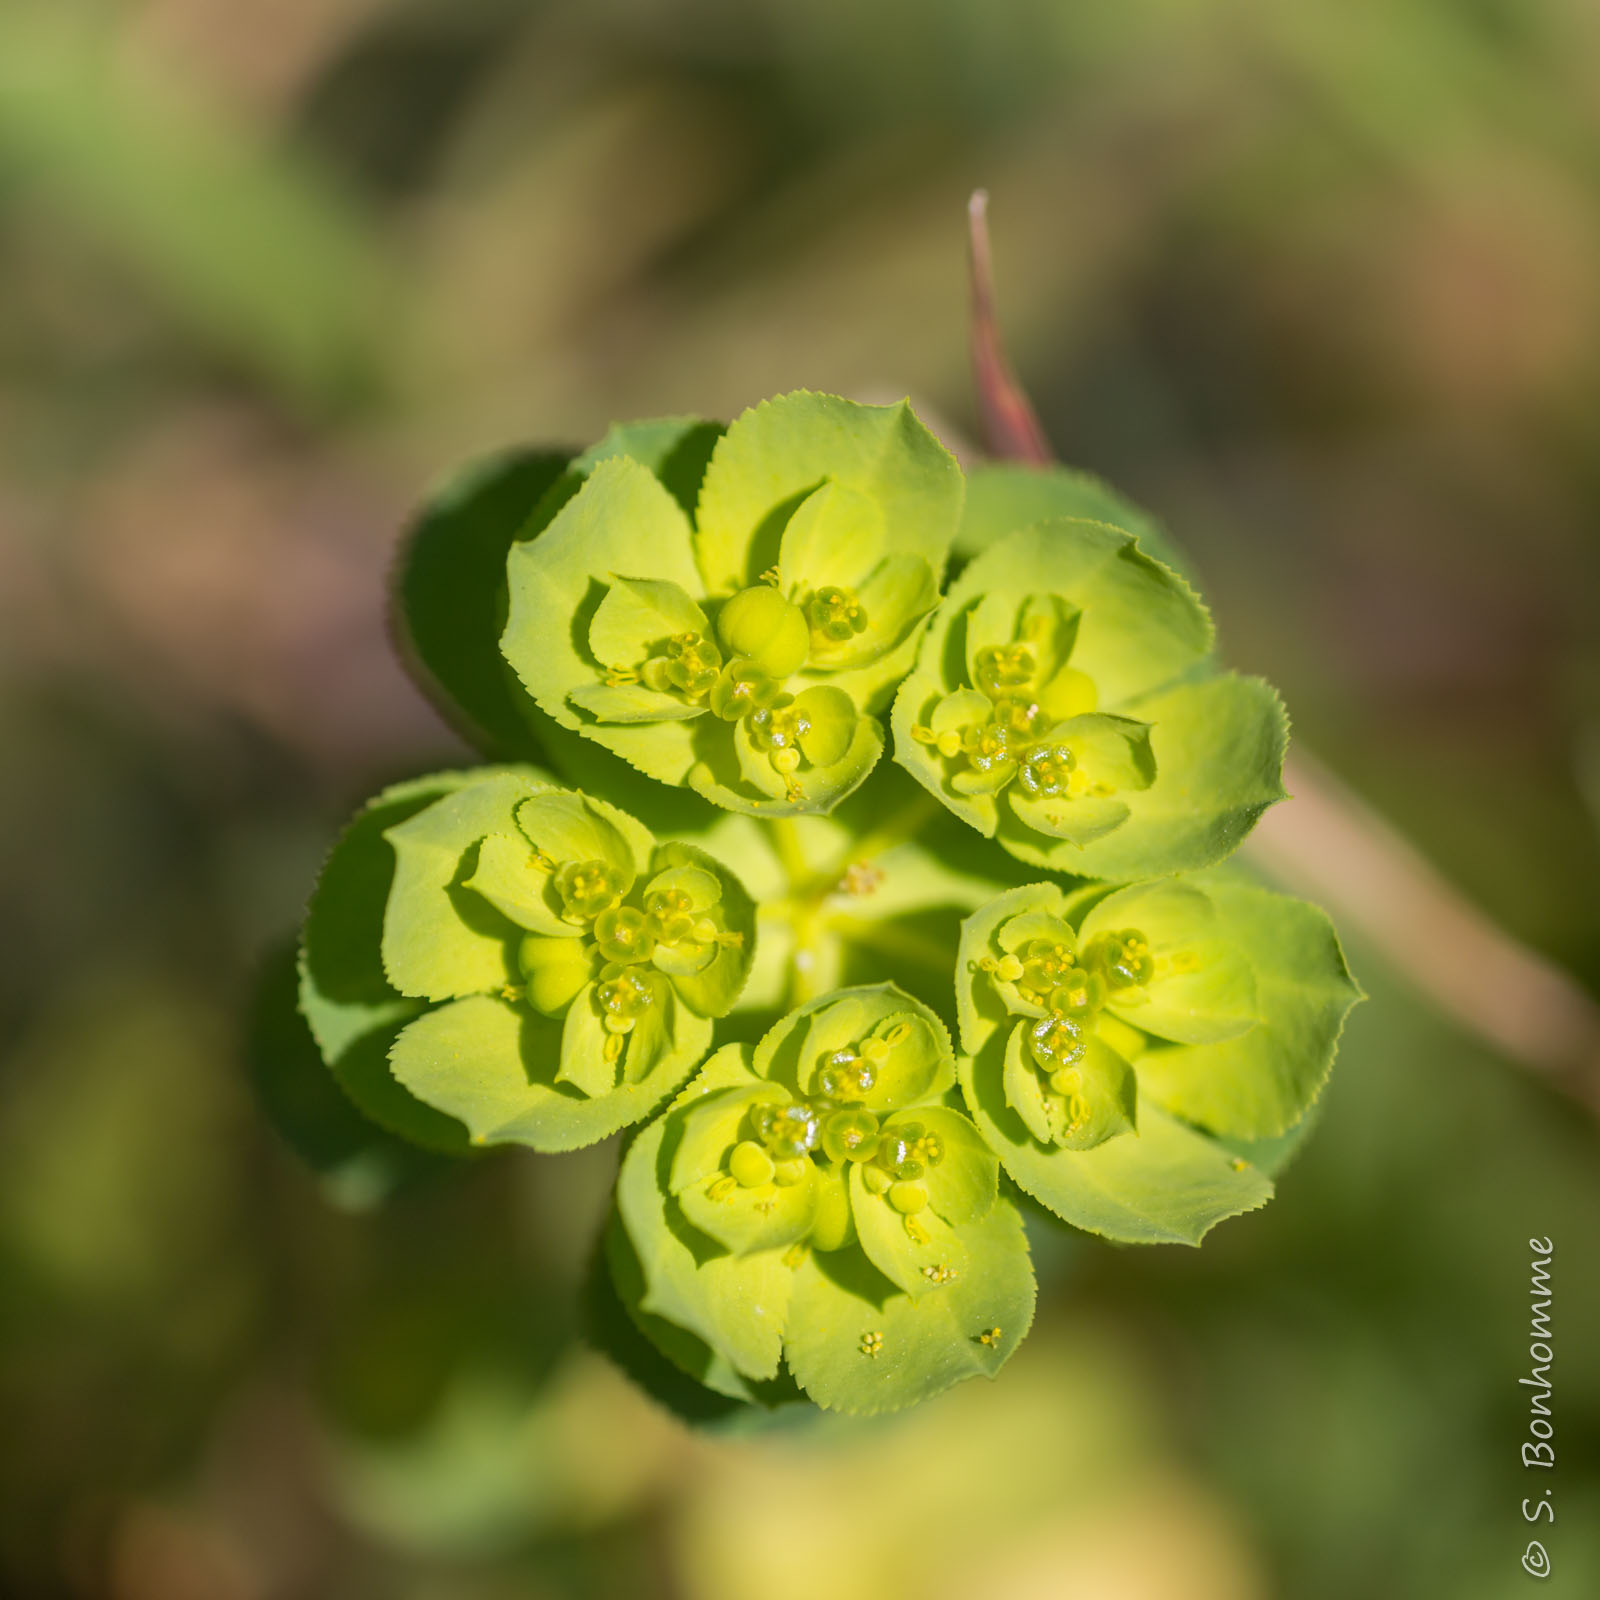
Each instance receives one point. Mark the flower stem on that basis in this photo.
(791, 854)
(935, 955)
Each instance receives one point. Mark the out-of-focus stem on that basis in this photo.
(1009, 422)
(1328, 843)
(791, 853)
(907, 823)
(904, 943)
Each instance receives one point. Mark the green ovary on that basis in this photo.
(750, 1165)
(770, 632)
(834, 1227)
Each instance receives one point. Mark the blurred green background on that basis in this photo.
(1319, 282)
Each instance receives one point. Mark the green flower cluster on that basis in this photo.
(1063, 703)
(764, 983)
(855, 1226)
(1120, 1048)
(743, 651)
(541, 968)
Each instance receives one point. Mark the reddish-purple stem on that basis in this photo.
(1011, 429)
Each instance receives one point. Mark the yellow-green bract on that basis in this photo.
(534, 964)
(503, 956)
(741, 652)
(1063, 703)
(1111, 1041)
(816, 1199)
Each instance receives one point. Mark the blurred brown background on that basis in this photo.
(1318, 282)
